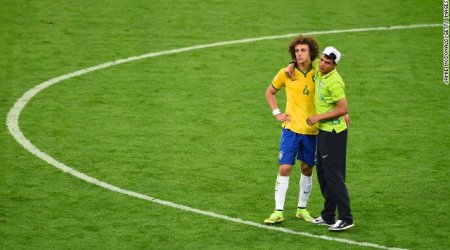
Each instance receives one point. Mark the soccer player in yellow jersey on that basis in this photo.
(298, 139)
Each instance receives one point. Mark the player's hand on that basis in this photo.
(347, 120)
(312, 120)
(290, 70)
(284, 117)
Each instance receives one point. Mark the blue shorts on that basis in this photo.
(293, 145)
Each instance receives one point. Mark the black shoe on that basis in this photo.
(341, 225)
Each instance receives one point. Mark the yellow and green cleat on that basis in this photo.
(275, 217)
(302, 213)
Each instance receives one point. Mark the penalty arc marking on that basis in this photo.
(12, 122)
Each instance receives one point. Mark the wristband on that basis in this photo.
(293, 61)
(276, 111)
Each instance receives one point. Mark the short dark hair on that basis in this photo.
(308, 40)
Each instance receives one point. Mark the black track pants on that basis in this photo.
(331, 167)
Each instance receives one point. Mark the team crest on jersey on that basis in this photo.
(321, 84)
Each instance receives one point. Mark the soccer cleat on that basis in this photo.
(275, 217)
(302, 213)
(341, 225)
(320, 221)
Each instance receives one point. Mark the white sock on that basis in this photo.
(305, 190)
(281, 187)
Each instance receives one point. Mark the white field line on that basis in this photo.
(14, 114)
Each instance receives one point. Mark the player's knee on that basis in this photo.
(285, 170)
(306, 169)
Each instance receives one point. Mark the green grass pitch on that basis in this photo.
(193, 128)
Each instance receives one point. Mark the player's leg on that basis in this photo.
(286, 159)
(281, 187)
(337, 181)
(307, 156)
(305, 187)
(327, 216)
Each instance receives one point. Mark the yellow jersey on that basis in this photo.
(299, 99)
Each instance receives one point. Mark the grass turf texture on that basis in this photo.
(194, 128)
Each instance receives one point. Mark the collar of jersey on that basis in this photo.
(305, 73)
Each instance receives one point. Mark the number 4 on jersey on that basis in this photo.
(305, 90)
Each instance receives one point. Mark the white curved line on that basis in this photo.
(13, 127)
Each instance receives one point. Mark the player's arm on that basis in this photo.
(340, 109)
(272, 101)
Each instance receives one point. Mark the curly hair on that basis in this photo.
(308, 40)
